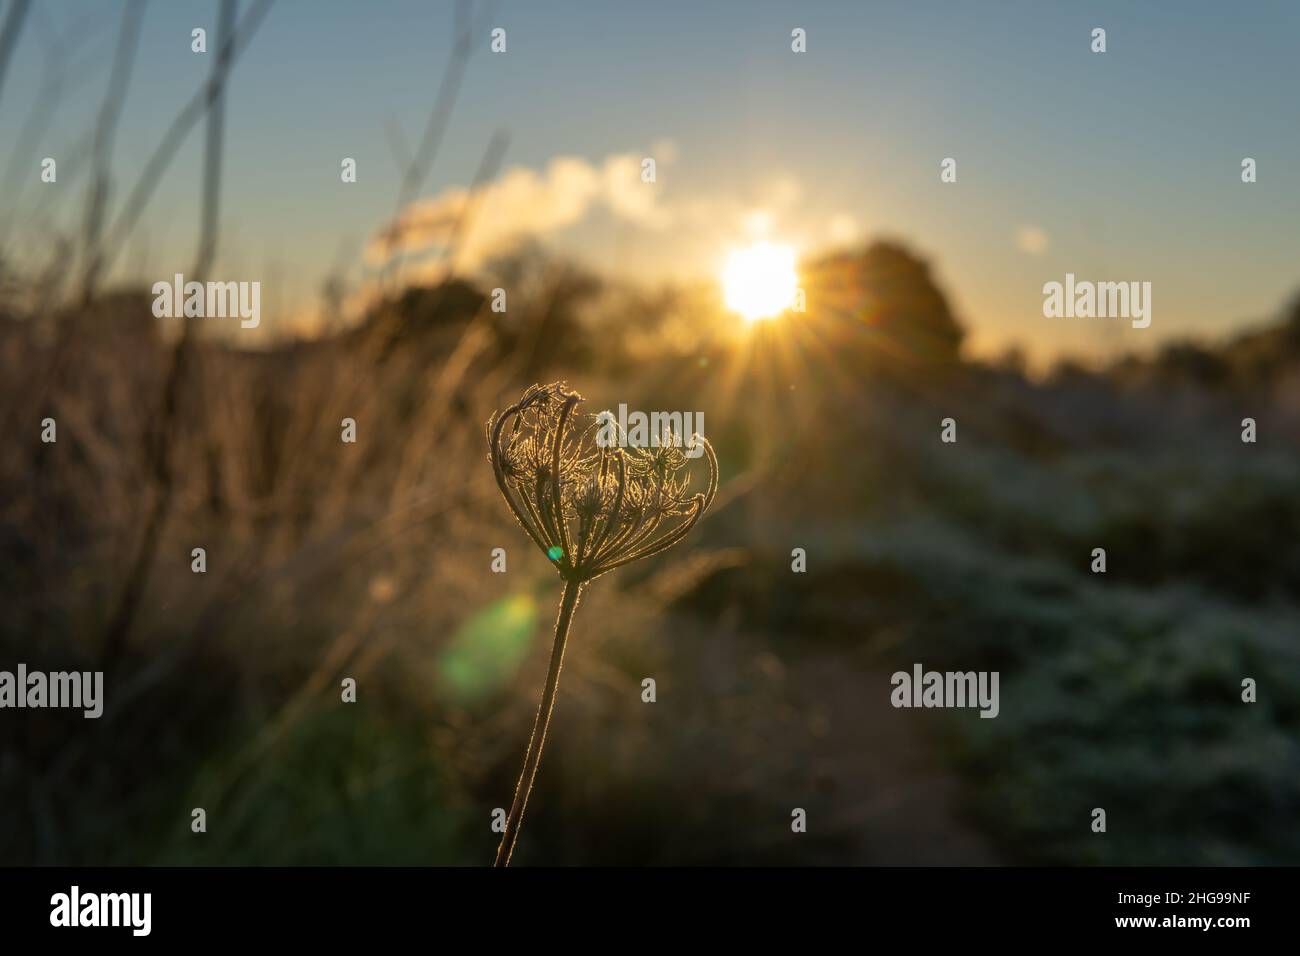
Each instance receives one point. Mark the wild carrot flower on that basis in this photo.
(591, 507)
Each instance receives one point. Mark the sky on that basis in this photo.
(1115, 166)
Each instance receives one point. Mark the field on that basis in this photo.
(371, 560)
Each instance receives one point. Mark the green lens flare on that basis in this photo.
(488, 648)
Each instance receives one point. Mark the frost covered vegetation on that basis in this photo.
(372, 560)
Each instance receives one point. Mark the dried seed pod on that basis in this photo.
(591, 508)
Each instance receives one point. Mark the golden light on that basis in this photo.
(759, 281)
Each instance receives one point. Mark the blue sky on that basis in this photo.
(1126, 163)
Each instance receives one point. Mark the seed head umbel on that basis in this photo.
(592, 508)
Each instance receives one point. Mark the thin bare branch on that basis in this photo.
(9, 33)
(105, 130)
(158, 162)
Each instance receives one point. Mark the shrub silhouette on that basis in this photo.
(881, 306)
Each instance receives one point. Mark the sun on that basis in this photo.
(759, 281)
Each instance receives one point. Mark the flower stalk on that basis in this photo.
(533, 756)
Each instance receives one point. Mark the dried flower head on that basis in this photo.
(591, 506)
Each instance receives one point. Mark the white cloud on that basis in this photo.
(522, 203)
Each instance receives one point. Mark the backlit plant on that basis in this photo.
(591, 506)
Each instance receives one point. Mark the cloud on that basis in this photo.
(1031, 240)
(523, 203)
